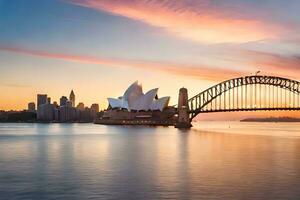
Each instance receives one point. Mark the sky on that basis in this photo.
(99, 47)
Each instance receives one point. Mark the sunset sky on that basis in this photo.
(99, 47)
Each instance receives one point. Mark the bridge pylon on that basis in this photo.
(183, 121)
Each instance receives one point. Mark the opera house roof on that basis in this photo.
(135, 99)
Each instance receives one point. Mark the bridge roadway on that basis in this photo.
(248, 109)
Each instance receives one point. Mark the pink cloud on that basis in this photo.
(268, 63)
(271, 63)
(194, 20)
(192, 71)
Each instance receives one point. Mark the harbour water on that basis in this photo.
(213, 160)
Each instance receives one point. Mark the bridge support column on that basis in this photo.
(183, 121)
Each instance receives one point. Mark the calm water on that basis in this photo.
(214, 160)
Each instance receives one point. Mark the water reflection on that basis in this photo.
(81, 161)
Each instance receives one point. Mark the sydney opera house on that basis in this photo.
(135, 100)
(136, 107)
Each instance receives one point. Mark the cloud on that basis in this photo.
(283, 65)
(192, 71)
(201, 20)
(249, 60)
(15, 85)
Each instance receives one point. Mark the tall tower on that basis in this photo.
(72, 98)
(183, 110)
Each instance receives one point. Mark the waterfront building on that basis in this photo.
(135, 100)
(137, 108)
(56, 114)
(45, 112)
(80, 111)
(94, 110)
(63, 101)
(68, 113)
(41, 99)
(72, 98)
(31, 107)
(65, 112)
(86, 115)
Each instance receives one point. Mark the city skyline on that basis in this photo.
(65, 111)
(62, 101)
(100, 47)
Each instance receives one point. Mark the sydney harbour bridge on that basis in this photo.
(249, 93)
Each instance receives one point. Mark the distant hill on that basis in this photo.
(271, 119)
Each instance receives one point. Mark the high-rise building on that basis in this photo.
(31, 107)
(72, 98)
(41, 99)
(63, 101)
(95, 107)
(94, 110)
(45, 112)
(80, 106)
(86, 115)
(49, 100)
(56, 114)
(67, 114)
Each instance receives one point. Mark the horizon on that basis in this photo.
(99, 48)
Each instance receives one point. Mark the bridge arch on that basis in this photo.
(241, 93)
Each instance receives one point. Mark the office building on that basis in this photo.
(67, 114)
(45, 112)
(31, 107)
(94, 110)
(80, 106)
(63, 101)
(41, 99)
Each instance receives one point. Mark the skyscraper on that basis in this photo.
(63, 101)
(80, 106)
(95, 107)
(41, 99)
(94, 110)
(45, 112)
(72, 98)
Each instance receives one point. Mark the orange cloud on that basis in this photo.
(194, 20)
(192, 71)
(268, 63)
(288, 66)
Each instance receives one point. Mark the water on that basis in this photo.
(214, 160)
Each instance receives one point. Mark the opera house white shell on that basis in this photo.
(135, 99)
